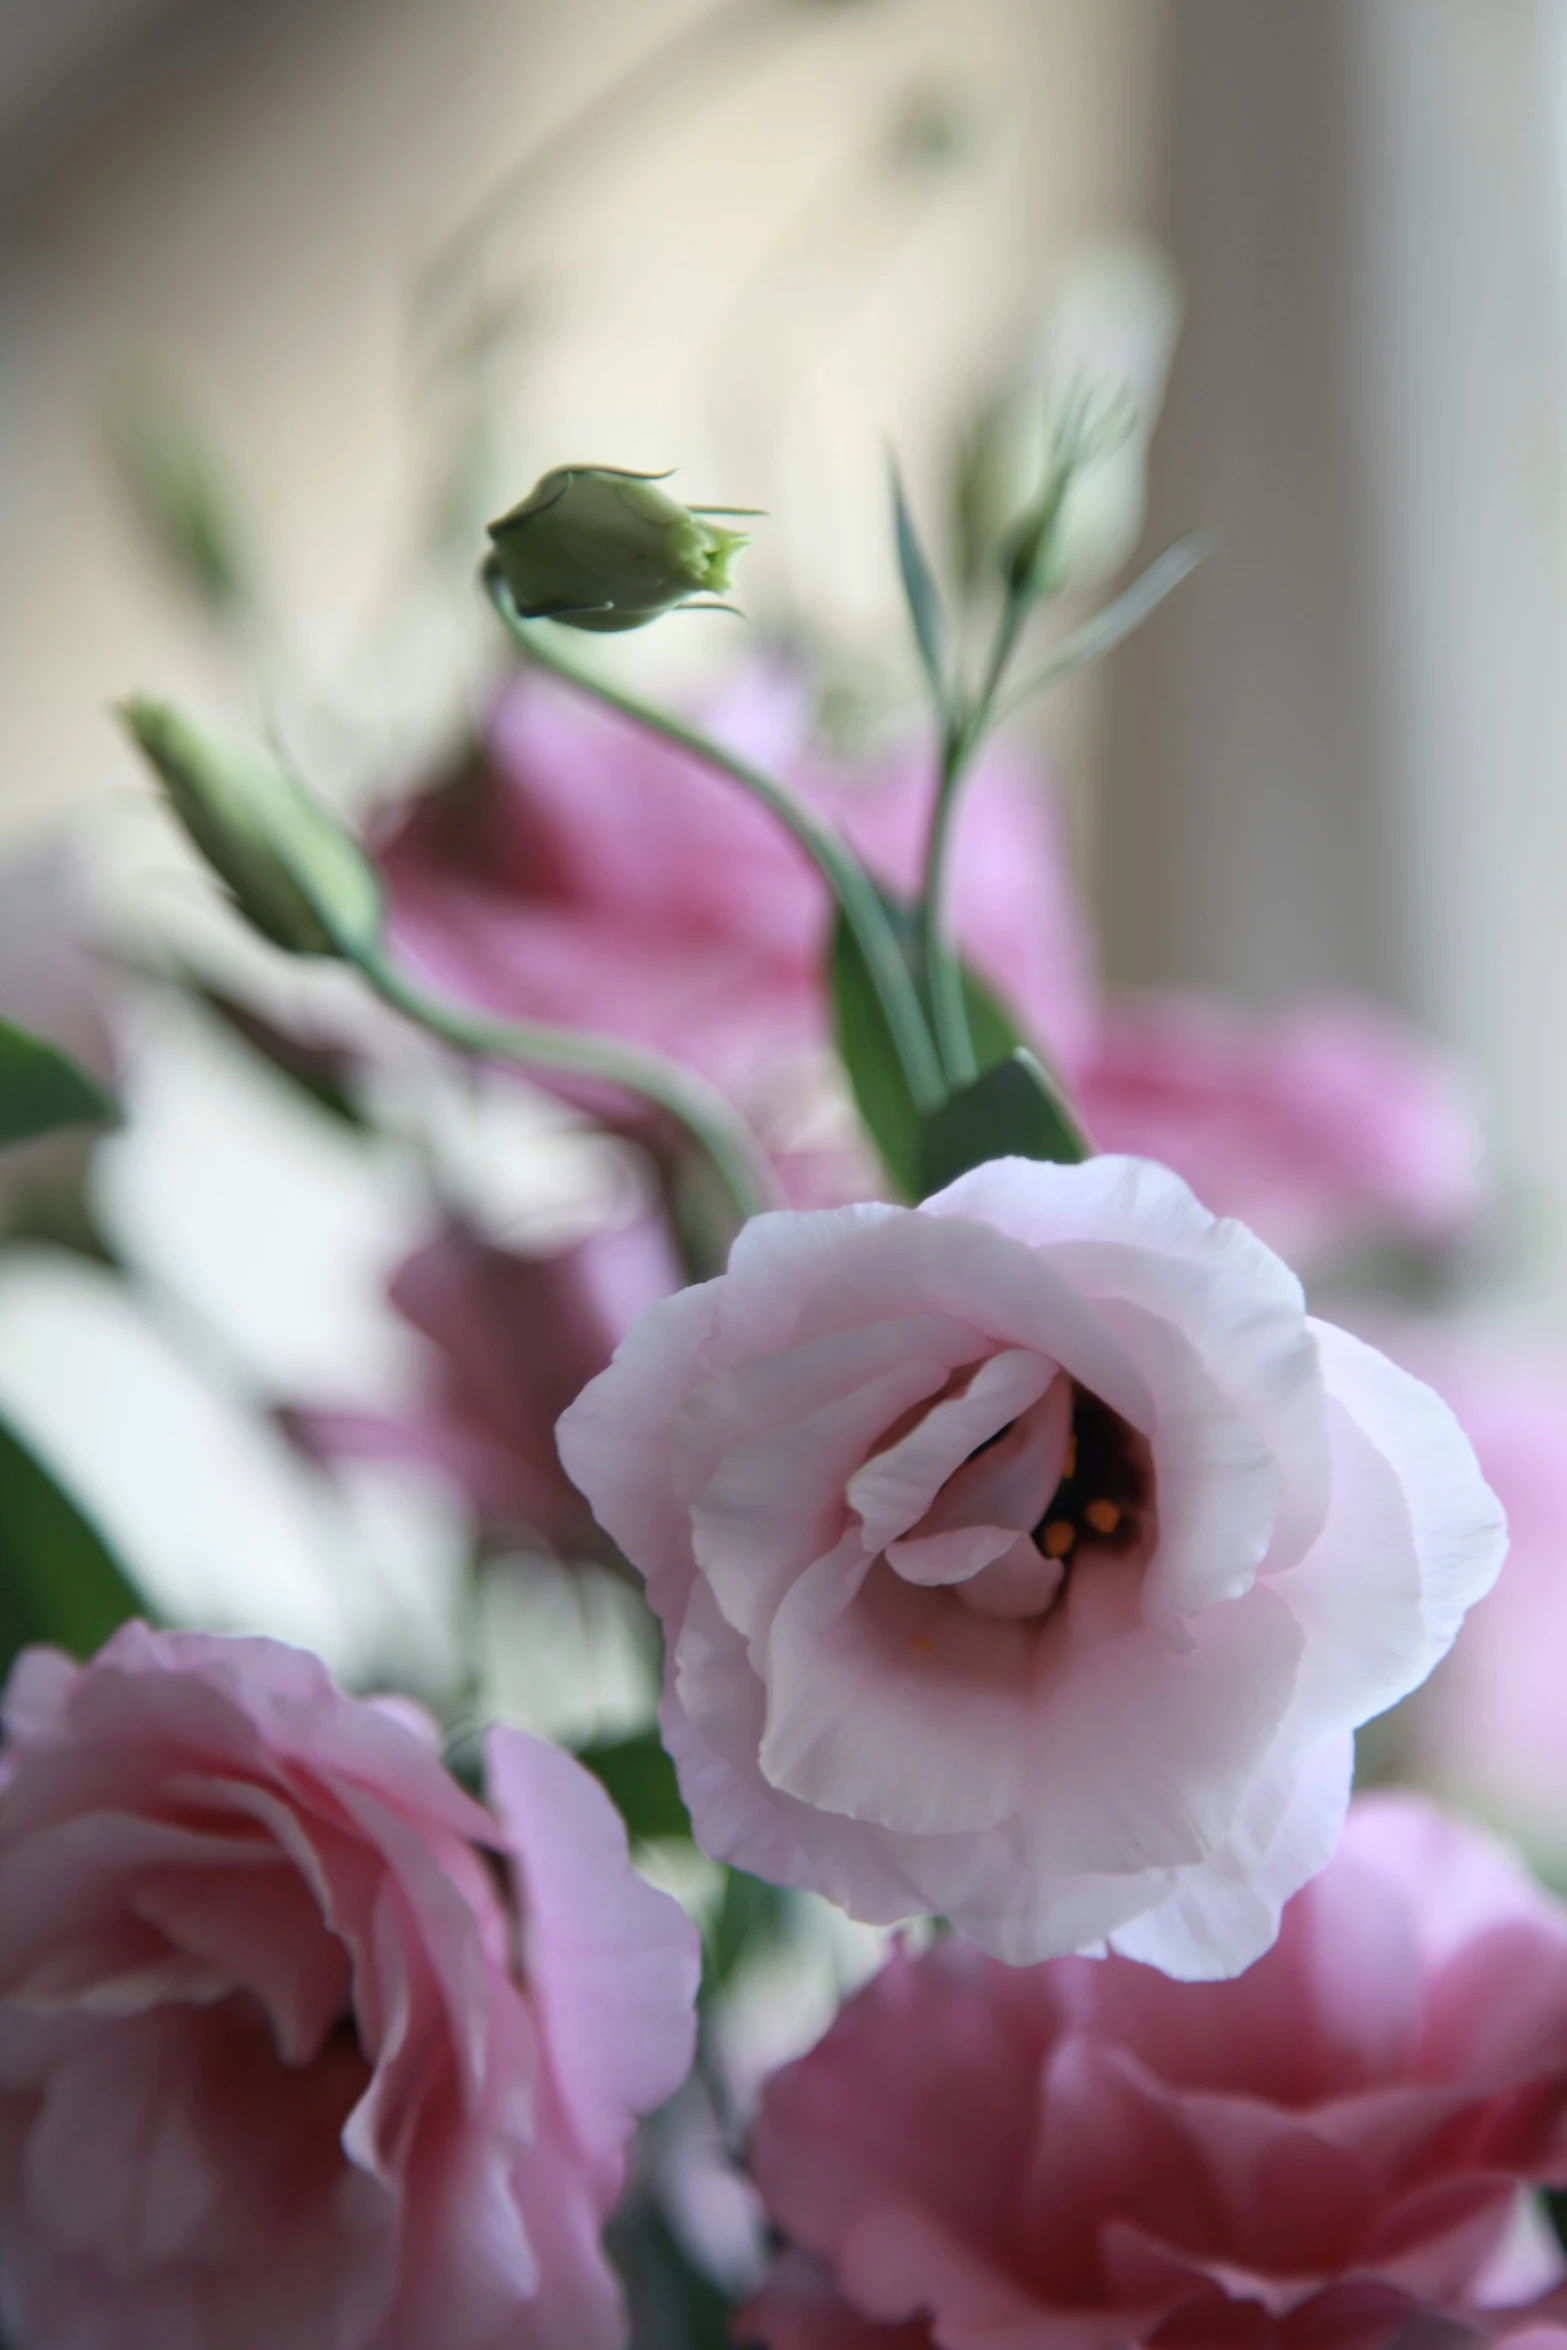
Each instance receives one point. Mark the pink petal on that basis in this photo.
(888, 1704)
(896, 1487)
(611, 1964)
(934, 1559)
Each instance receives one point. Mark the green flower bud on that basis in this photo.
(292, 870)
(594, 547)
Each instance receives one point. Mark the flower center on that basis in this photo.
(1105, 1485)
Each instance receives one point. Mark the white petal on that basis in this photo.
(1139, 1758)
(1124, 1227)
(712, 1719)
(1217, 1486)
(1220, 1919)
(933, 1559)
(1460, 1528)
(896, 1487)
(614, 1440)
(728, 1402)
(1011, 1481)
(891, 1705)
(776, 1500)
(1010, 1297)
(780, 1260)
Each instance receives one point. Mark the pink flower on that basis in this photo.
(299, 2043)
(588, 873)
(1027, 1557)
(1079, 2156)
(1319, 1126)
(1489, 1726)
(512, 1340)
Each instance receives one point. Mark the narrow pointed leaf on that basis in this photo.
(1013, 1111)
(1124, 613)
(323, 1073)
(59, 1581)
(43, 1089)
(921, 594)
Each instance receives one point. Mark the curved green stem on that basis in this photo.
(845, 876)
(943, 971)
(707, 1116)
(960, 741)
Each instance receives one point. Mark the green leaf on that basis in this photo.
(639, 1779)
(751, 1915)
(43, 1089)
(1012, 1111)
(323, 1073)
(921, 594)
(59, 1581)
(1555, 2202)
(1103, 631)
(866, 1047)
(672, 2304)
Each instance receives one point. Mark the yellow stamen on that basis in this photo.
(1103, 1516)
(925, 1646)
(1069, 1464)
(1059, 1537)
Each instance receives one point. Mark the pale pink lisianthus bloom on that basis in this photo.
(299, 2043)
(1075, 2156)
(586, 872)
(1026, 1558)
(1325, 1123)
(511, 1340)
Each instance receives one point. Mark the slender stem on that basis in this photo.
(943, 971)
(960, 741)
(1013, 617)
(847, 878)
(707, 1116)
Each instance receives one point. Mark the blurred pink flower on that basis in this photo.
(1328, 1122)
(512, 1340)
(298, 2043)
(1026, 1558)
(1490, 1726)
(1087, 2155)
(585, 872)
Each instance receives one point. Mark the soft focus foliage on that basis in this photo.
(581, 871)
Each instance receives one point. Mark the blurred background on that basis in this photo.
(294, 297)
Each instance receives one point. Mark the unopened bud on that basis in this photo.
(597, 548)
(292, 870)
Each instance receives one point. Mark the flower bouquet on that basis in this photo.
(1019, 1553)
